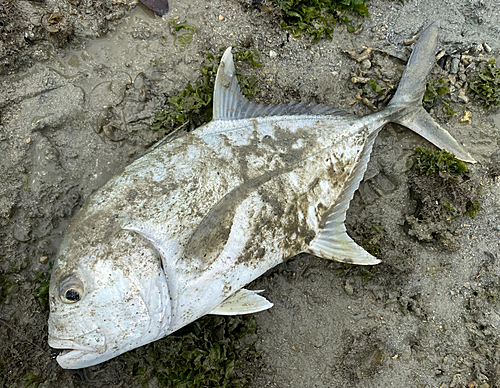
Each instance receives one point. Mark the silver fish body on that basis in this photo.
(182, 230)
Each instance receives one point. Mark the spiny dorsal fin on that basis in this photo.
(243, 302)
(332, 242)
(231, 104)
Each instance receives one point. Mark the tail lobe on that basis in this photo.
(411, 89)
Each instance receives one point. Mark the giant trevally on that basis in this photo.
(183, 229)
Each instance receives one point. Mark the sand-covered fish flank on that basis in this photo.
(181, 230)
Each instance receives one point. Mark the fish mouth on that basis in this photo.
(70, 348)
(76, 355)
(80, 356)
(77, 359)
(62, 344)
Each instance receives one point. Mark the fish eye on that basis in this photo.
(71, 289)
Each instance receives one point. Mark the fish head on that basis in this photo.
(106, 298)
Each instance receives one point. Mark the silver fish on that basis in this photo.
(181, 231)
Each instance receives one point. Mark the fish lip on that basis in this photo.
(70, 345)
(72, 358)
(72, 353)
(73, 344)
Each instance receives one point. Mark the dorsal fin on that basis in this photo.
(231, 104)
(332, 242)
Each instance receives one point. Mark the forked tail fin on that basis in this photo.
(411, 91)
(332, 241)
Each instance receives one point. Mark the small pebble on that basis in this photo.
(466, 59)
(466, 117)
(350, 53)
(440, 55)
(348, 289)
(359, 80)
(409, 42)
(486, 47)
(455, 62)
(221, 18)
(365, 55)
(369, 104)
(463, 98)
(273, 54)
(406, 353)
(366, 64)
(482, 377)
(43, 259)
(456, 381)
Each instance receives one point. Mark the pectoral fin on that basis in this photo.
(243, 302)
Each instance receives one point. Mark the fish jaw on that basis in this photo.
(80, 358)
(76, 359)
(77, 354)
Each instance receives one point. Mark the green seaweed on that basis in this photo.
(206, 353)
(375, 87)
(6, 284)
(472, 207)
(32, 381)
(486, 87)
(366, 272)
(433, 162)
(183, 32)
(318, 17)
(448, 109)
(435, 92)
(243, 55)
(192, 106)
(453, 212)
(42, 291)
(444, 190)
(370, 240)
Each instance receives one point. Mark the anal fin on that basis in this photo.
(332, 242)
(243, 302)
(340, 247)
